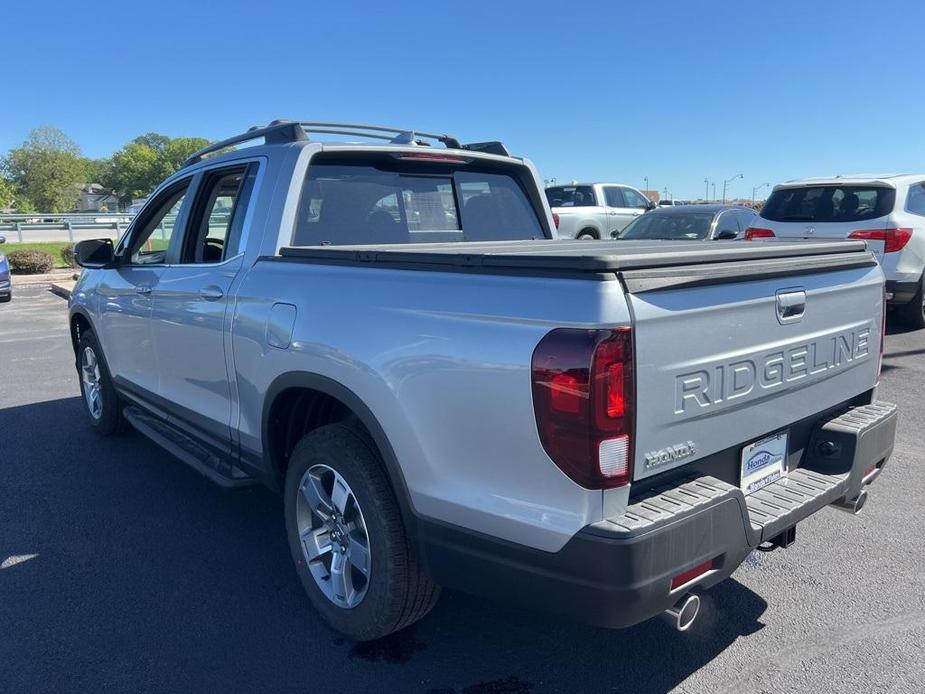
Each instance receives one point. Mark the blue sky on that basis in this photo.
(618, 91)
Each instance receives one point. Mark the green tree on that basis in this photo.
(137, 168)
(97, 169)
(47, 170)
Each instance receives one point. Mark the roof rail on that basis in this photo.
(277, 132)
(398, 136)
(282, 131)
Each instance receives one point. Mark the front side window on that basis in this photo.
(570, 196)
(392, 201)
(915, 203)
(634, 199)
(829, 204)
(149, 245)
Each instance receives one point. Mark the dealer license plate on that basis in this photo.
(764, 462)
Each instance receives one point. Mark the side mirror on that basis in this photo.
(2, 239)
(726, 235)
(95, 253)
(651, 205)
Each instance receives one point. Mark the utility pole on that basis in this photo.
(729, 180)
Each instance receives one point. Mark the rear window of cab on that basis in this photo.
(394, 198)
(829, 203)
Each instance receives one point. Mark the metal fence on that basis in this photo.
(31, 226)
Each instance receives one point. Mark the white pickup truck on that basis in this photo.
(387, 334)
(595, 210)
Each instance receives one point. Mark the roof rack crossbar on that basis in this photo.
(275, 132)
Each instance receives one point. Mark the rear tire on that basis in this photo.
(337, 500)
(101, 402)
(587, 235)
(913, 313)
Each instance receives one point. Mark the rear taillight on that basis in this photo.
(555, 219)
(583, 394)
(758, 233)
(894, 239)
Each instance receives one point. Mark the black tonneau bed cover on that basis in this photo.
(643, 265)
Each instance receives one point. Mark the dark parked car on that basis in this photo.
(690, 222)
(6, 288)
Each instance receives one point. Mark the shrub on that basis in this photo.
(31, 262)
(67, 255)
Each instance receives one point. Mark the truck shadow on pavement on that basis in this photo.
(122, 569)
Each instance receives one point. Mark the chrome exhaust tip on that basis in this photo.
(852, 506)
(684, 612)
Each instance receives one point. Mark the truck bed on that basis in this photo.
(644, 265)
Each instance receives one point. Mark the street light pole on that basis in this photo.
(729, 180)
(714, 192)
(757, 188)
(706, 193)
(647, 183)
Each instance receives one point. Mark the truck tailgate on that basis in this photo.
(721, 363)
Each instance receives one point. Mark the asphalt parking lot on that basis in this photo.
(123, 570)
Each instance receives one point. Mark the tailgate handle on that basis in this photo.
(791, 305)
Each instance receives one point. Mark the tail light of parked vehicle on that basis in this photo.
(555, 219)
(894, 239)
(758, 233)
(583, 396)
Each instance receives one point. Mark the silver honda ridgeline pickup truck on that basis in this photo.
(388, 334)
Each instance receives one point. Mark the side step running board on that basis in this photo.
(220, 471)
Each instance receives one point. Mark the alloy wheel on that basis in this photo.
(333, 536)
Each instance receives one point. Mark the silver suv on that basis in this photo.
(886, 211)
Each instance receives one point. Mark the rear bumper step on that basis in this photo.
(618, 572)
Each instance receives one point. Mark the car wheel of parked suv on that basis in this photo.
(100, 399)
(913, 313)
(347, 537)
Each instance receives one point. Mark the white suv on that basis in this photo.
(887, 211)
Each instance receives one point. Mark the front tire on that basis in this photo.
(347, 538)
(913, 313)
(101, 402)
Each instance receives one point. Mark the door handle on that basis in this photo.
(211, 293)
(143, 289)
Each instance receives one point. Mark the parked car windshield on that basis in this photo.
(829, 204)
(690, 226)
(570, 196)
(391, 201)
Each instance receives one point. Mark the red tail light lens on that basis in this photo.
(583, 393)
(555, 219)
(893, 239)
(758, 233)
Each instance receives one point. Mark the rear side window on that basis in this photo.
(829, 204)
(571, 196)
(614, 196)
(389, 201)
(915, 203)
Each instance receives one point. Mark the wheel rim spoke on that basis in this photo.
(340, 577)
(317, 543)
(317, 497)
(340, 494)
(358, 554)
